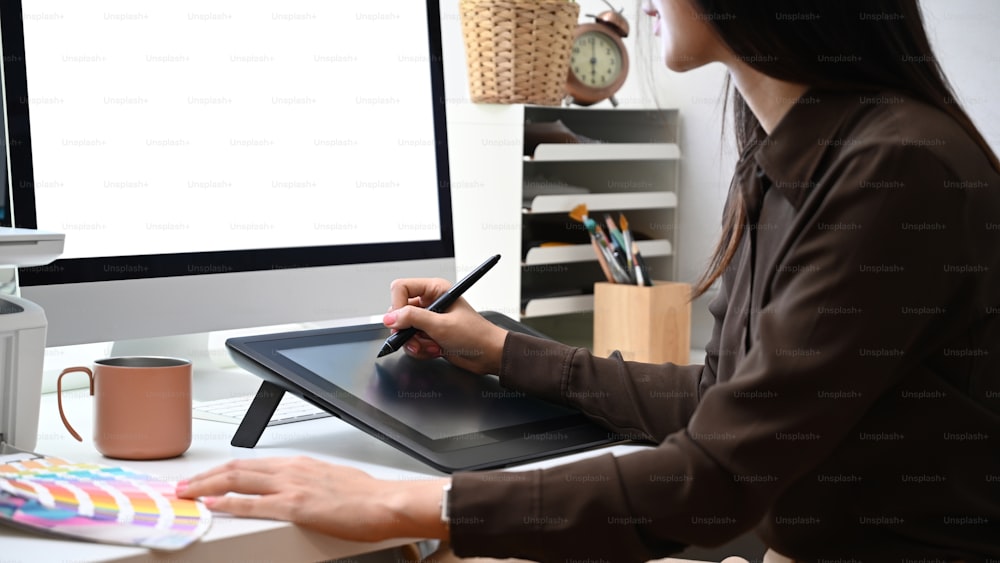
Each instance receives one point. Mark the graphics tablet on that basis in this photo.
(444, 416)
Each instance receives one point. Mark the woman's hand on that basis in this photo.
(333, 499)
(461, 335)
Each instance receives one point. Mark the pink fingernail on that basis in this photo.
(389, 318)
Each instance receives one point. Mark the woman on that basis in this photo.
(849, 403)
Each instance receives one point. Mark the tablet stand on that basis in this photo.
(265, 402)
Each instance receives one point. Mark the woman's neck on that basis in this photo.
(768, 98)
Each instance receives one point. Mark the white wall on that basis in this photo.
(965, 36)
(484, 143)
(964, 33)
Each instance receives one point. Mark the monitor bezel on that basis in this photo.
(116, 268)
(16, 140)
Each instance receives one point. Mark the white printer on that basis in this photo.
(22, 338)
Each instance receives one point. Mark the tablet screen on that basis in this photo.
(443, 415)
(432, 398)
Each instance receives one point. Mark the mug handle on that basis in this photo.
(62, 415)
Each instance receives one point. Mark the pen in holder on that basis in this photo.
(645, 323)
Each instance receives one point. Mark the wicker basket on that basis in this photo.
(517, 51)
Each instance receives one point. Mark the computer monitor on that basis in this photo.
(218, 165)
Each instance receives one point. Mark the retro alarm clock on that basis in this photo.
(598, 62)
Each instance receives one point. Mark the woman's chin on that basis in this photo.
(681, 63)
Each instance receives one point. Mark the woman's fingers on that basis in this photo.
(262, 465)
(424, 291)
(333, 499)
(246, 476)
(423, 347)
(234, 481)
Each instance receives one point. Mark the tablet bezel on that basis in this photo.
(490, 449)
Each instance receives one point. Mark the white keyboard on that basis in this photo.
(232, 409)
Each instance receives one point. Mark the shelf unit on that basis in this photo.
(628, 164)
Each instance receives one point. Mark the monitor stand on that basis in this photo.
(211, 380)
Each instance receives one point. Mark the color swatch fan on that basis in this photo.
(98, 503)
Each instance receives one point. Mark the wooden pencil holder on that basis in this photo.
(645, 323)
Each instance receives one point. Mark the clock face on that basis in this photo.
(596, 60)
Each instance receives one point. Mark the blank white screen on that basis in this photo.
(189, 126)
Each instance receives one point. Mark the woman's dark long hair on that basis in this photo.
(832, 44)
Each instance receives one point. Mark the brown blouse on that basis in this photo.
(848, 407)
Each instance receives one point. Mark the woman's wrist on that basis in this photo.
(498, 340)
(415, 508)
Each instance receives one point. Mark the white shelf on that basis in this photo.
(564, 152)
(585, 252)
(564, 203)
(547, 306)
(632, 169)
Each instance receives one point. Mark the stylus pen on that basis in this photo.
(440, 305)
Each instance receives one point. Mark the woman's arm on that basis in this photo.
(332, 499)
(643, 402)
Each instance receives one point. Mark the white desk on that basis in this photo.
(229, 539)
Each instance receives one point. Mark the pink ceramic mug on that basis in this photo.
(142, 406)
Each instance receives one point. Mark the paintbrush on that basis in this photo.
(618, 248)
(615, 234)
(579, 213)
(641, 271)
(618, 272)
(627, 241)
